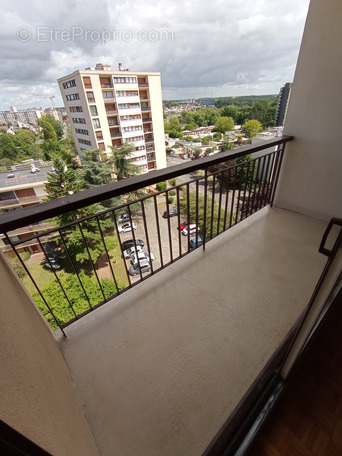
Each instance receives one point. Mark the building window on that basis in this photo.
(140, 148)
(131, 80)
(135, 138)
(90, 97)
(133, 128)
(76, 109)
(73, 96)
(93, 110)
(78, 120)
(87, 82)
(81, 131)
(131, 117)
(128, 105)
(96, 123)
(84, 141)
(107, 94)
(67, 85)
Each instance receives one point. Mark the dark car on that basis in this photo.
(171, 213)
(130, 243)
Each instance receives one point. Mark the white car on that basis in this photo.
(129, 253)
(141, 256)
(127, 227)
(192, 228)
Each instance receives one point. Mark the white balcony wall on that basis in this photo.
(129, 111)
(128, 99)
(36, 394)
(310, 183)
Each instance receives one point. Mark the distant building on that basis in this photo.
(27, 116)
(108, 108)
(207, 102)
(284, 97)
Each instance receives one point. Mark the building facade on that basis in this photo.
(28, 116)
(284, 98)
(108, 108)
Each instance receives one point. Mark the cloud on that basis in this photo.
(201, 48)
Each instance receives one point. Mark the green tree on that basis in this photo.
(94, 173)
(224, 124)
(55, 124)
(197, 207)
(8, 148)
(55, 297)
(230, 111)
(122, 162)
(47, 130)
(217, 136)
(251, 128)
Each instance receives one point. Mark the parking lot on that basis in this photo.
(168, 245)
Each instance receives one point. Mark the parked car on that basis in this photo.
(192, 228)
(142, 256)
(129, 253)
(124, 218)
(10, 175)
(184, 156)
(183, 225)
(131, 243)
(171, 213)
(143, 266)
(195, 243)
(127, 227)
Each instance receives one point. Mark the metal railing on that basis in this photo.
(82, 263)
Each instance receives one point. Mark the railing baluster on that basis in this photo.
(108, 258)
(91, 260)
(121, 250)
(57, 278)
(169, 224)
(158, 231)
(212, 206)
(219, 206)
(74, 268)
(205, 208)
(227, 199)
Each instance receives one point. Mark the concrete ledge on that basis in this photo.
(159, 369)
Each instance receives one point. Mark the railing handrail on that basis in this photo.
(53, 208)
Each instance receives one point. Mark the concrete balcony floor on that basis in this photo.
(158, 370)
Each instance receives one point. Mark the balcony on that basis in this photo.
(20, 201)
(145, 108)
(168, 366)
(115, 135)
(107, 86)
(111, 112)
(147, 120)
(142, 84)
(244, 260)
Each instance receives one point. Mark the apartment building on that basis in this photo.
(108, 108)
(19, 190)
(28, 116)
(284, 98)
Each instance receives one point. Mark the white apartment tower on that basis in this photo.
(107, 108)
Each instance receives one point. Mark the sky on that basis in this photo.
(201, 48)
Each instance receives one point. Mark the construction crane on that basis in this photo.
(52, 102)
(54, 112)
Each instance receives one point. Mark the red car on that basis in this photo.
(184, 225)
